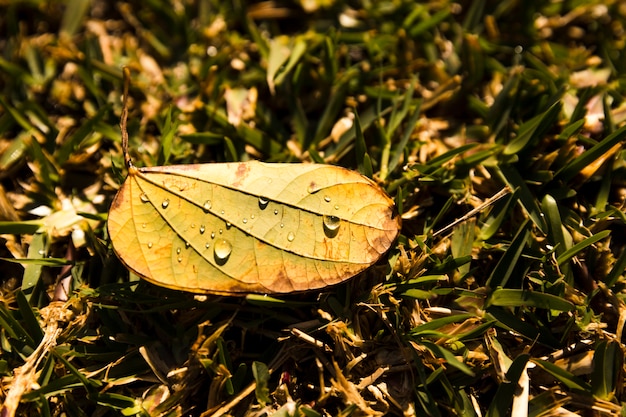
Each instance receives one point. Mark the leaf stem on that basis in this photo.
(124, 120)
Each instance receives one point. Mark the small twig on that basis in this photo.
(310, 339)
(474, 211)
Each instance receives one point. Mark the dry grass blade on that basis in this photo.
(55, 318)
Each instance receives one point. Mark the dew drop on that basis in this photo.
(144, 197)
(252, 216)
(327, 199)
(41, 252)
(245, 221)
(202, 229)
(193, 225)
(291, 236)
(331, 225)
(222, 250)
(180, 259)
(212, 235)
(149, 245)
(222, 212)
(312, 188)
(275, 212)
(221, 231)
(143, 225)
(187, 245)
(165, 203)
(207, 245)
(282, 225)
(178, 250)
(263, 202)
(336, 207)
(207, 205)
(228, 225)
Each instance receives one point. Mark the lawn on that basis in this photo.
(497, 129)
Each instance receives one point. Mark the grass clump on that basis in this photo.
(498, 128)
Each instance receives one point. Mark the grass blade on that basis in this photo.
(445, 354)
(588, 157)
(523, 298)
(514, 180)
(503, 399)
(504, 268)
(565, 377)
(577, 248)
(607, 372)
(532, 129)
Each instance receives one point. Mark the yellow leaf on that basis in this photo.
(250, 227)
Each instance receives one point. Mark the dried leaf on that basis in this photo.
(250, 227)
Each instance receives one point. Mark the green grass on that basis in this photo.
(518, 307)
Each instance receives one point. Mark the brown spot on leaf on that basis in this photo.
(118, 201)
(241, 173)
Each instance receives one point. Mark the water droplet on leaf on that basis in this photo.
(149, 245)
(291, 236)
(202, 229)
(178, 250)
(207, 205)
(263, 202)
(327, 199)
(245, 221)
(165, 203)
(144, 197)
(222, 251)
(180, 259)
(331, 225)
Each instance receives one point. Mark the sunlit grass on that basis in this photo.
(504, 120)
